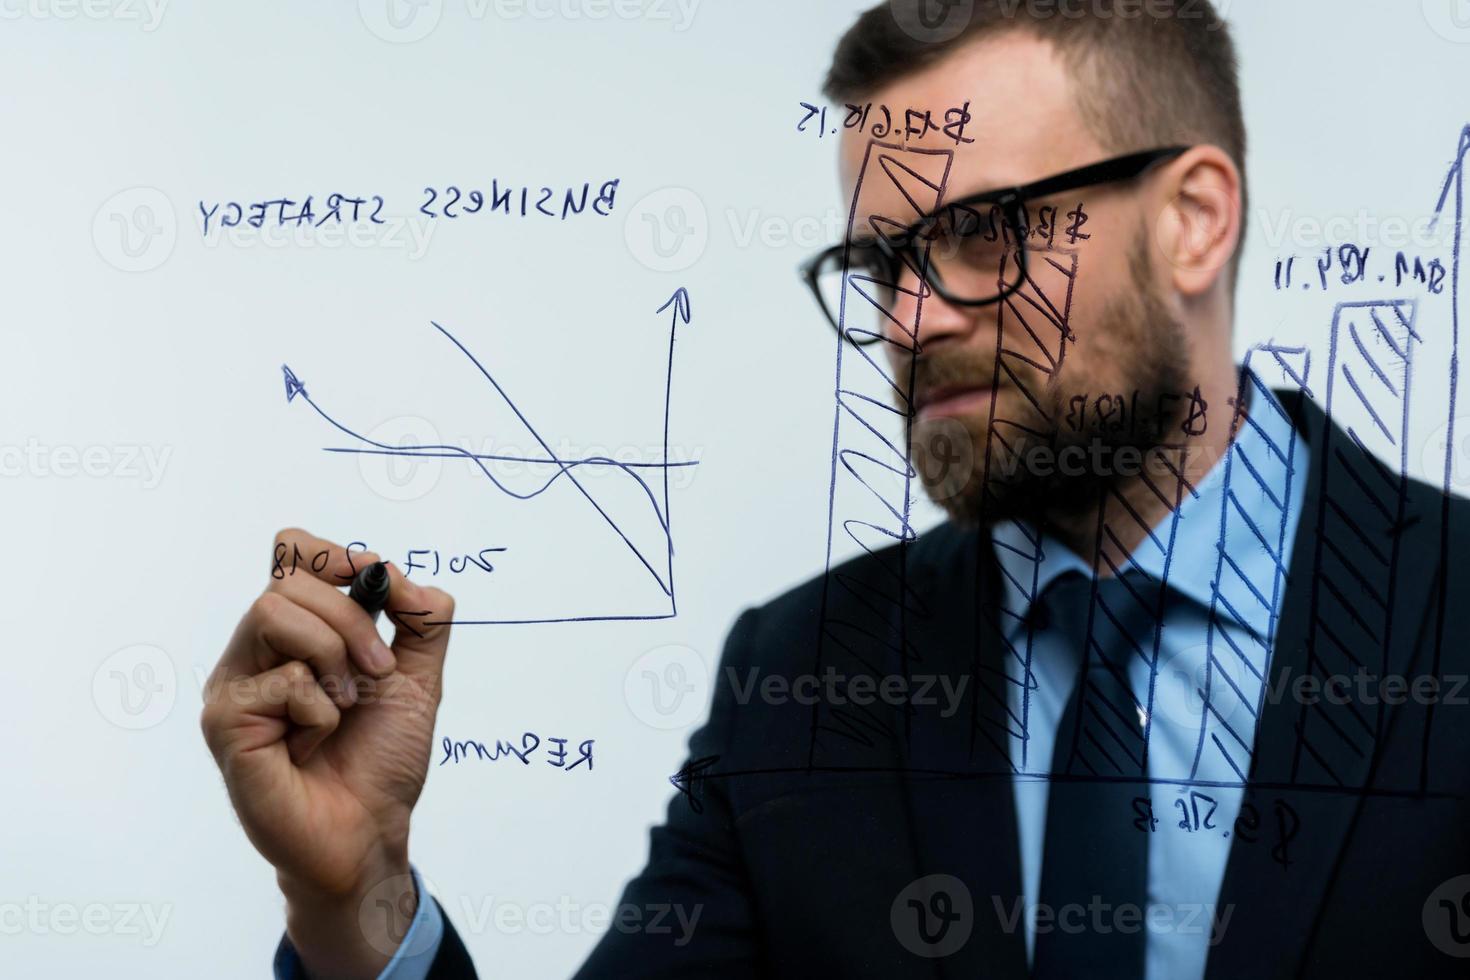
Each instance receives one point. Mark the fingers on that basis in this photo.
(250, 720)
(344, 616)
(421, 615)
(285, 630)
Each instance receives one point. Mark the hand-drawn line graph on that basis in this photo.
(659, 568)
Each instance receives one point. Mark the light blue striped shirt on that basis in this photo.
(1232, 539)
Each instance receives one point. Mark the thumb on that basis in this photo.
(421, 616)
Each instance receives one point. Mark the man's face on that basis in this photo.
(1006, 376)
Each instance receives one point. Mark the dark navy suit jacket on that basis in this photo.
(795, 849)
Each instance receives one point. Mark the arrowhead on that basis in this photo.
(294, 386)
(690, 780)
(680, 302)
(401, 618)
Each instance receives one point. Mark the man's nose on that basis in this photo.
(928, 319)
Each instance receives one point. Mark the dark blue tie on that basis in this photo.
(1094, 861)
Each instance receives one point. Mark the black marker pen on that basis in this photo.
(370, 588)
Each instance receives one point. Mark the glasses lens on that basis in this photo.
(866, 282)
(973, 253)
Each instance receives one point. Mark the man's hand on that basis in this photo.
(323, 735)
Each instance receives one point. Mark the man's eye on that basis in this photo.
(869, 261)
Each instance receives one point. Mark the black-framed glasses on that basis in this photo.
(970, 251)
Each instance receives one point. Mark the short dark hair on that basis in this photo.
(1149, 73)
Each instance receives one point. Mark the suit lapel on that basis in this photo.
(960, 800)
(1354, 598)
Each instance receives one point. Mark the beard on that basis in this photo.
(1003, 464)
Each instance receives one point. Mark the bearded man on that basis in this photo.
(1148, 547)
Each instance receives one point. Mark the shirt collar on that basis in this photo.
(1030, 561)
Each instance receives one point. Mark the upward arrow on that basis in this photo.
(680, 302)
(294, 385)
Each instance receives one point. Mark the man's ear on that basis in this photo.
(1198, 229)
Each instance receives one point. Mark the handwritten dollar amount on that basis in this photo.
(881, 122)
(1196, 814)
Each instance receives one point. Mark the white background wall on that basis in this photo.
(1354, 112)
